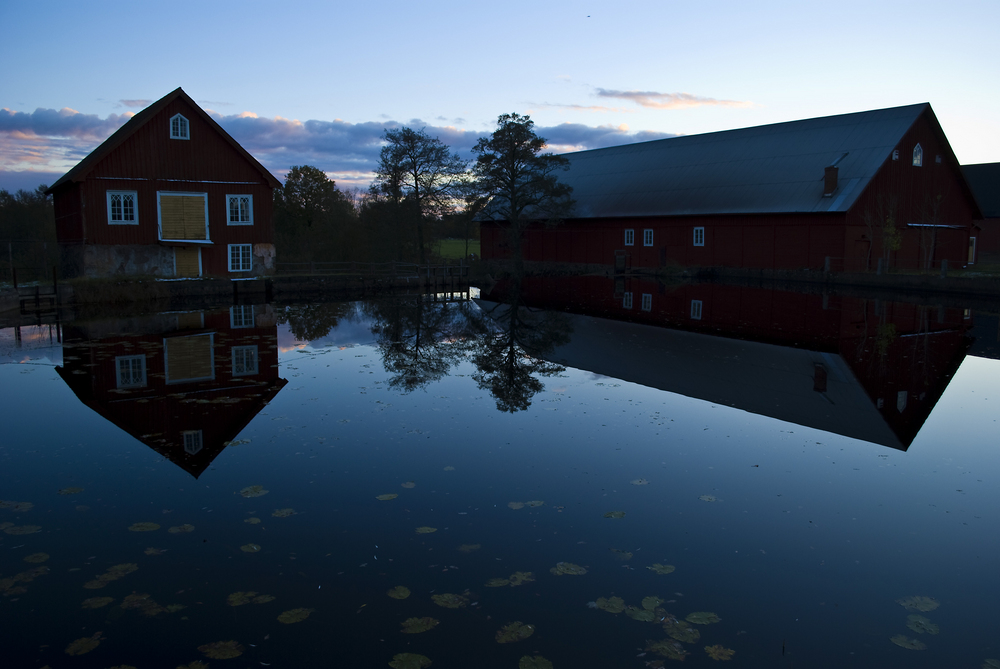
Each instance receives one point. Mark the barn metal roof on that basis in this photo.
(984, 180)
(775, 168)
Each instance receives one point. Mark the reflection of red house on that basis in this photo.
(186, 387)
(984, 180)
(820, 193)
(169, 194)
(866, 369)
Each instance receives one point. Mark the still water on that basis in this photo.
(632, 473)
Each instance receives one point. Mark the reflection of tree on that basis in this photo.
(420, 338)
(309, 322)
(508, 359)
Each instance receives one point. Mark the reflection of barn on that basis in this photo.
(831, 192)
(186, 386)
(865, 369)
(984, 180)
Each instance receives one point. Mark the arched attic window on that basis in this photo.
(179, 127)
(918, 156)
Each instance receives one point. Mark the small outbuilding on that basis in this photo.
(852, 192)
(170, 194)
(984, 179)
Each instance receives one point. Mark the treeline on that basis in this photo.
(27, 234)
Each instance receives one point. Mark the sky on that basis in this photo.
(317, 83)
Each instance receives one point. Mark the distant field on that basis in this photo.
(454, 249)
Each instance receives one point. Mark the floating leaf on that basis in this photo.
(240, 598)
(263, 599)
(516, 505)
(250, 548)
(84, 645)
(568, 569)
(399, 592)
(667, 648)
(70, 491)
(681, 630)
(24, 529)
(155, 551)
(142, 603)
(450, 600)
(908, 643)
(919, 603)
(252, 520)
(96, 602)
(717, 652)
(519, 577)
(497, 582)
(650, 603)
(408, 484)
(181, 529)
(702, 618)
(112, 574)
(622, 555)
(613, 605)
(615, 514)
(283, 513)
(172, 608)
(294, 616)
(409, 661)
(449, 468)
(515, 631)
(709, 498)
(921, 625)
(19, 506)
(386, 497)
(534, 503)
(536, 662)
(642, 615)
(639, 482)
(254, 491)
(468, 548)
(658, 568)
(426, 530)
(222, 650)
(36, 558)
(418, 625)
(143, 527)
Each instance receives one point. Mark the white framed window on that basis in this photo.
(696, 310)
(647, 302)
(918, 156)
(179, 127)
(972, 250)
(647, 237)
(244, 360)
(122, 207)
(627, 301)
(629, 237)
(192, 441)
(131, 371)
(895, 154)
(239, 209)
(240, 259)
(699, 236)
(241, 316)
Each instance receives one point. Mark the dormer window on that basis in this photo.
(179, 127)
(918, 156)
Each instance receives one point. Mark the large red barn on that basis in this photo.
(849, 192)
(170, 194)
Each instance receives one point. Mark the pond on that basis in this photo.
(580, 472)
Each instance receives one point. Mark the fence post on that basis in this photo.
(826, 265)
(944, 268)
(55, 285)
(879, 269)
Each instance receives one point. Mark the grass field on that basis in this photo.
(454, 249)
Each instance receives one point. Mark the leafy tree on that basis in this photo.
(313, 219)
(519, 181)
(419, 169)
(27, 233)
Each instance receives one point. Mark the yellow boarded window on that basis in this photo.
(189, 358)
(182, 217)
(187, 261)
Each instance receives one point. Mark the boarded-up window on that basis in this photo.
(182, 216)
(187, 261)
(189, 358)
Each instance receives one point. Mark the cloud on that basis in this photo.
(587, 108)
(567, 137)
(655, 100)
(136, 103)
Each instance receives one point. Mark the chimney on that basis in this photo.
(830, 180)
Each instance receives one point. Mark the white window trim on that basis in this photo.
(647, 237)
(647, 302)
(193, 441)
(118, 370)
(238, 351)
(184, 129)
(159, 216)
(229, 255)
(698, 237)
(972, 249)
(918, 156)
(627, 300)
(135, 206)
(696, 309)
(243, 308)
(229, 220)
(629, 237)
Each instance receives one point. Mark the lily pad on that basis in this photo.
(426, 530)
(921, 625)
(709, 498)
(250, 548)
(96, 602)
(515, 631)
(497, 582)
(143, 527)
(639, 482)
(919, 603)
(222, 650)
(24, 529)
(386, 497)
(409, 661)
(36, 558)
(519, 577)
(536, 662)
(668, 648)
(468, 548)
(612, 605)
(650, 603)
(568, 569)
(263, 599)
(516, 505)
(240, 598)
(449, 468)
(399, 592)
(283, 513)
(294, 616)
(681, 630)
(252, 520)
(181, 529)
(702, 618)
(615, 514)
(418, 625)
(450, 600)
(535, 502)
(112, 574)
(84, 645)
(658, 568)
(408, 484)
(642, 615)
(142, 603)
(718, 652)
(254, 491)
(155, 551)
(908, 643)
(70, 491)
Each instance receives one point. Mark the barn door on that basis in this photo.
(187, 261)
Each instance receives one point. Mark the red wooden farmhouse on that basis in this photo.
(848, 192)
(170, 194)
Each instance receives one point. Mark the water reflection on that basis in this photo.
(184, 384)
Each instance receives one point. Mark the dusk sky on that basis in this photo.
(317, 82)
